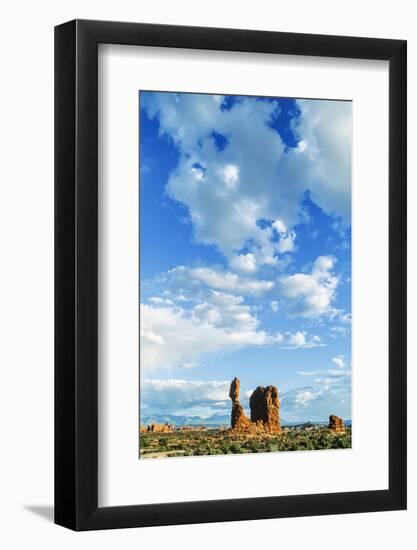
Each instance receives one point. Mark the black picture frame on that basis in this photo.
(76, 272)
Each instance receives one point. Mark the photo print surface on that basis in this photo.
(245, 274)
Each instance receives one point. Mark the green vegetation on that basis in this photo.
(220, 442)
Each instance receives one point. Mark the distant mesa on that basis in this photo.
(336, 423)
(265, 407)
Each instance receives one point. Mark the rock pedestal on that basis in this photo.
(239, 420)
(336, 423)
(264, 405)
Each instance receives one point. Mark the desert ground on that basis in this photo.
(198, 442)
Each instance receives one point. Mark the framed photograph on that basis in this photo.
(230, 252)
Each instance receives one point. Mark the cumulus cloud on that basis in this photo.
(176, 396)
(310, 295)
(253, 176)
(325, 131)
(339, 360)
(244, 262)
(286, 237)
(230, 281)
(182, 280)
(301, 339)
(175, 336)
(304, 397)
(230, 175)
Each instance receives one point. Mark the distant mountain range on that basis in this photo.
(214, 420)
(217, 420)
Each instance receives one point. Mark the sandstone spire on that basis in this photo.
(336, 423)
(239, 420)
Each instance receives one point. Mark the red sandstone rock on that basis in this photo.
(264, 405)
(234, 390)
(336, 423)
(239, 420)
(160, 428)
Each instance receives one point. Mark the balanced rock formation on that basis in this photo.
(239, 420)
(336, 423)
(264, 408)
(264, 404)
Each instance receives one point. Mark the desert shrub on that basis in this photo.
(216, 442)
(163, 443)
(235, 448)
(216, 451)
(343, 441)
(253, 445)
(203, 449)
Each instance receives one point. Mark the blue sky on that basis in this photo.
(245, 253)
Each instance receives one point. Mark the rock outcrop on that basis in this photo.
(264, 405)
(160, 428)
(264, 408)
(336, 423)
(239, 420)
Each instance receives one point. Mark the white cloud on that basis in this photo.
(175, 395)
(302, 146)
(280, 226)
(274, 305)
(301, 339)
(150, 336)
(174, 336)
(303, 398)
(339, 360)
(287, 238)
(244, 262)
(331, 373)
(310, 295)
(254, 177)
(338, 373)
(287, 242)
(197, 173)
(328, 395)
(346, 318)
(298, 339)
(161, 301)
(230, 175)
(216, 279)
(325, 129)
